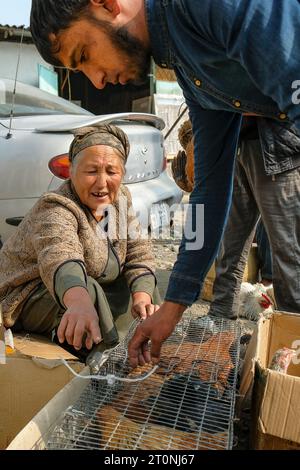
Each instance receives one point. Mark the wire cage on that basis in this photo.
(186, 402)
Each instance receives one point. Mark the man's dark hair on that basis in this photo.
(53, 16)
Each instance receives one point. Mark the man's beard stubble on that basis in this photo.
(132, 47)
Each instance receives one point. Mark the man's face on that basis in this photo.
(104, 54)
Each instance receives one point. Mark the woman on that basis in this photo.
(61, 272)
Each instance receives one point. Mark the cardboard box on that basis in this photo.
(250, 275)
(32, 375)
(35, 435)
(276, 396)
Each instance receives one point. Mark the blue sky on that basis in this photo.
(15, 12)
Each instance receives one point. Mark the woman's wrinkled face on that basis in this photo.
(96, 174)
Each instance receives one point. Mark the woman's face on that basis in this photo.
(96, 174)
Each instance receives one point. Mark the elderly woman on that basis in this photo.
(61, 272)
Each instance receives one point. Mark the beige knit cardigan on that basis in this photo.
(60, 228)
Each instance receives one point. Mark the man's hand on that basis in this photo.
(156, 328)
(79, 319)
(142, 306)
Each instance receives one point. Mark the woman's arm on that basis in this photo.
(79, 319)
(60, 260)
(55, 240)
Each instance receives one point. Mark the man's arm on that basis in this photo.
(157, 328)
(216, 135)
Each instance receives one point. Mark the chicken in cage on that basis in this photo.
(186, 402)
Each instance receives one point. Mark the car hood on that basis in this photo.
(68, 123)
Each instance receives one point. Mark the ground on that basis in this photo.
(165, 257)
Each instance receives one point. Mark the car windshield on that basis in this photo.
(31, 101)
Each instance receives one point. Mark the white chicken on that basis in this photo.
(256, 300)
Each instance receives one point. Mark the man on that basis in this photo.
(230, 57)
(274, 195)
(255, 193)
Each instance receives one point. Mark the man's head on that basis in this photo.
(104, 39)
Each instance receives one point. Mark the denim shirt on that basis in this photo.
(230, 57)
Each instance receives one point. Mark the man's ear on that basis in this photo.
(112, 6)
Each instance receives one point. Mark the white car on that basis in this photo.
(33, 154)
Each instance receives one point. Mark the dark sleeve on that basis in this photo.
(144, 283)
(216, 136)
(68, 275)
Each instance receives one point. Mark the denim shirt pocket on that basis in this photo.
(199, 87)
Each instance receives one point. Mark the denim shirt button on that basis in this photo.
(237, 103)
(197, 82)
(282, 116)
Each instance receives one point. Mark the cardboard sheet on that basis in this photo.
(32, 375)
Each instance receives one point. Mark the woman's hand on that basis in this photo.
(79, 319)
(142, 306)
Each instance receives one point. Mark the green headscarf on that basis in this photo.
(107, 134)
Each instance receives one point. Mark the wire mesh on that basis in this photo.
(187, 403)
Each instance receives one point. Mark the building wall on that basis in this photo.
(169, 107)
(112, 99)
(30, 58)
(165, 74)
